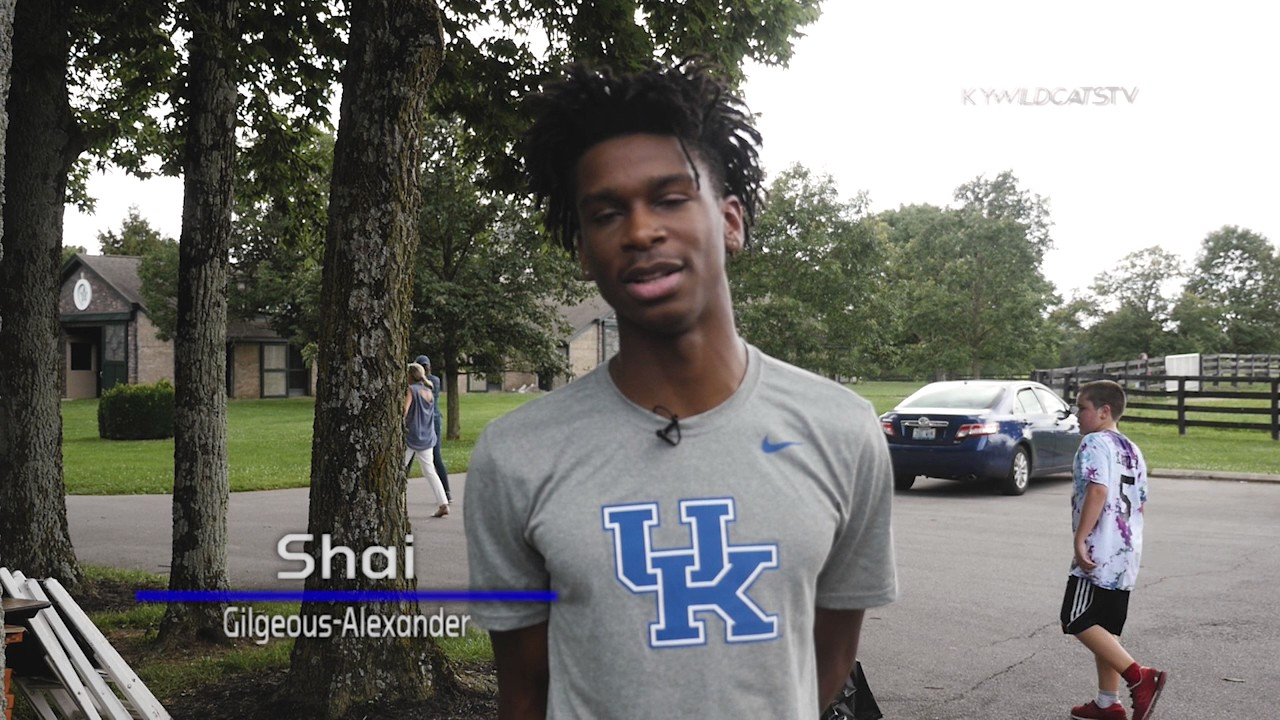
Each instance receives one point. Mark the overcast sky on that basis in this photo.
(907, 100)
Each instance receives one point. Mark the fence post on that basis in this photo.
(1275, 408)
(1182, 406)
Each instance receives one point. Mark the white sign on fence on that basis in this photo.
(1186, 365)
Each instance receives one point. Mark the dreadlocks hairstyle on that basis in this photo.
(591, 106)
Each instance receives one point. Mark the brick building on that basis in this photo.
(594, 338)
(108, 338)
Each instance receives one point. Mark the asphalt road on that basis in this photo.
(975, 631)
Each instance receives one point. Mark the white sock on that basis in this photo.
(1106, 699)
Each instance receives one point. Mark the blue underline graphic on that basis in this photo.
(344, 596)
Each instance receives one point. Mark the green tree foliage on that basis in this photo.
(487, 283)
(1067, 323)
(500, 50)
(136, 237)
(158, 272)
(123, 63)
(1197, 326)
(1001, 198)
(1134, 306)
(278, 242)
(70, 251)
(158, 269)
(971, 296)
(1125, 333)
(1141, 280)
(834, 320)
(1237, 272)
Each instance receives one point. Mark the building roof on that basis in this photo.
(583, 315)
(118, 271)
(121, 273)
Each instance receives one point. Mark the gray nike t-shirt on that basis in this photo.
(687, 575)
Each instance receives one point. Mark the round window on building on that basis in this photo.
(83, 294)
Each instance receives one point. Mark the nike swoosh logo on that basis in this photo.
(771, 448)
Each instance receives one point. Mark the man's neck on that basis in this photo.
(687, 375)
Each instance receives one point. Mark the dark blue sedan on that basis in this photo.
(1008, 431)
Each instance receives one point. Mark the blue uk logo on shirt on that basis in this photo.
(711, 575)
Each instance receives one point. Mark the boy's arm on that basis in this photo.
(1095, 498)
(523, 673)
(835, 638)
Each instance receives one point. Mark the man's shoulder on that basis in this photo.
(809, 390)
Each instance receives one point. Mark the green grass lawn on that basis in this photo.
(269, 444)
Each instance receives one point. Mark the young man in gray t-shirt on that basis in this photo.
(714, 521)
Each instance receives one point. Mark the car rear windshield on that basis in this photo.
(956, 397)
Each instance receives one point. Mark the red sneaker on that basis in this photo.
(1091, 711)
(1146, 691)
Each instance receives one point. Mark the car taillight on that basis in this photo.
(975, 429)
(887, 426)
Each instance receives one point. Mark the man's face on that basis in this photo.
(654, 239)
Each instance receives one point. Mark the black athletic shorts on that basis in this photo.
(1085, 605)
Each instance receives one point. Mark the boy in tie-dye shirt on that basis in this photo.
(1107, 509)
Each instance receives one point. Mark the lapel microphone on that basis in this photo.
(671, 433)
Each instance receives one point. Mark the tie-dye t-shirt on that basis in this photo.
(1115, 545)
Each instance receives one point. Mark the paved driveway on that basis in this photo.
(975, 632)
(136, 532)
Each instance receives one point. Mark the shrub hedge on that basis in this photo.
(136, 412)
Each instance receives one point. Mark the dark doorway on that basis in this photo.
(299, 374)
(115, 357)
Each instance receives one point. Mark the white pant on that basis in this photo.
(429, 470)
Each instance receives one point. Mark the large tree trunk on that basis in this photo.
(200, 482)
(6, 61)
(357, 468)
(41, 144)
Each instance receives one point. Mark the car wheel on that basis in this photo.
(903, 483)
(1015, 482)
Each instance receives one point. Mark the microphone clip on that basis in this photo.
(671, 433)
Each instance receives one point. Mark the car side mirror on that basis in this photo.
(1064, 414)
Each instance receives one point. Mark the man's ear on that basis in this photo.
(734, 224)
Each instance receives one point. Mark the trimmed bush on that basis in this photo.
(136, 412)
